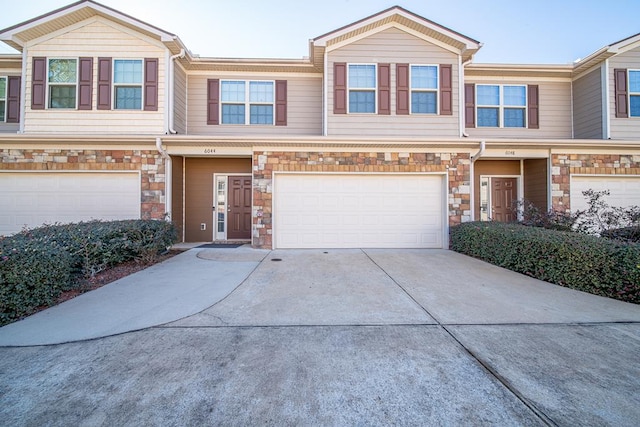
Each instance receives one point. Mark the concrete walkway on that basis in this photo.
(337, 337)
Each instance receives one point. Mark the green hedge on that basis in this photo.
(586, 263)
(627, 234)
(37, 265)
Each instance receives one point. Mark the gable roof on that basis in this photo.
(606, 52)
(18, 35)
(399, 17)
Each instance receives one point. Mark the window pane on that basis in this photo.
(62, 71)
(2, 109)
(232, 92)
(362, 76)
(424, 77)
(634, 81)
(423, 102)
(128, 98)
(515, 95)
(3, 88)
(233, 114)
(488, 95)
(514, 117)
(261, 114)
(635, 106)
(127, 71)
(62, 97)
(362, 101)
(260, 92)
(487, 117)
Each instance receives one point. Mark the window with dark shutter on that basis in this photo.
(469, 105)
(151, 84)
(85, 84)
(446, 90)
(213, 101)
(38, 83)
(384, 89)
(402, 89)
(621, 91)
(104, 84)
(533, 121)
(281, 102)
(339, 88)
(13, 99)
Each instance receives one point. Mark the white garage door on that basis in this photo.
(624, 190)
(32, 199)
(359, 211)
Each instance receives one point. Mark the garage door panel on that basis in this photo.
(32, 199)
(358, 210)
(624, 191)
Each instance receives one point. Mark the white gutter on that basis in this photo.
(606, 119)
(23, 90)
(167, 178)
(472, 195)
(172, 90)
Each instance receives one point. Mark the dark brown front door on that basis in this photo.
(239, 208)
(503, 196)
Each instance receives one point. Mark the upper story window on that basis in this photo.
(634, 93)
(424, 89)
(63, 82)
(501, 105)
(362, 88)
(127, 84)
(247, 102)
(3, 98)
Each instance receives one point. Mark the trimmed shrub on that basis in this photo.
(37, 265)
(33, 272)
(626, 234)
(587, 263)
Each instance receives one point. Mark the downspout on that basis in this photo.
(167, 178)
(461, 107)
(606, 119)
(325, 109)
(475, 157)
(172, 90)
(23, 91)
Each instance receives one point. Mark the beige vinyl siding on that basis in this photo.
(304, 107)
(393, 46)
(98, 38)
(554, 112)
(628, 128)
(180, 100)
(587, 106)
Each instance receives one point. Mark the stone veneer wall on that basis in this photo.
(457, 165)
(564, 165)
(149, 162)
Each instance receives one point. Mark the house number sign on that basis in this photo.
(209, 150)
(510, 153)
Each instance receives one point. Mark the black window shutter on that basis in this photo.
(13, 99)
(38, 83)
(104, 84)
(151, 84)
(446, 90)
(339, 88)
(85, 84)
(469, 105)
(620, 80)
(213, 101)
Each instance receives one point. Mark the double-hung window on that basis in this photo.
(501, 105)
(63, 82)
(424, 89)
(3, 99)
(634, 93)
(127, 84)
(362, 88)
(247, 102)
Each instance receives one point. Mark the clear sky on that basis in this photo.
(512, 31)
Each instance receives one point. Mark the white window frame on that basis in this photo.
(49, 84)
(630, 92)
(6, 89)
(115, 85)
(248, 103)
(360, 89)
(501, 107)
(436, 90)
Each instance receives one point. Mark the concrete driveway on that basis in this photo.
(336, 337)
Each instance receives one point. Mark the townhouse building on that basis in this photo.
(385, 136)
